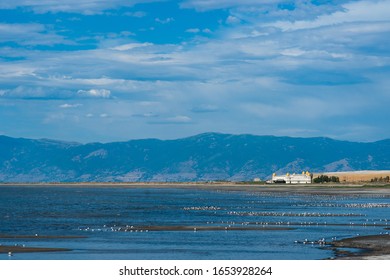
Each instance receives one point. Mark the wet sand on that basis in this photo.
(20, 249)
(372, 247)
(200, 228)
(36, 236)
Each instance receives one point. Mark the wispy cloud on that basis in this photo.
(131, 46)
(145, 115)
(266, 67)
(173, 120)
(357, 12)
(232, 20)
(103, 93)
(198, 30)
(67, 106)
(223, 4)
(137, 14)
(165, 21)
(205, 108)
(29, 34)
(193, 30)
(87, 7)
(35, 92)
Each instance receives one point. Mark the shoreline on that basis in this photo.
(319, 189)
(371, 247)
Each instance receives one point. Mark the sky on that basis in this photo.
(103, 71)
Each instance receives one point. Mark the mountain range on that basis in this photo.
(203, 157)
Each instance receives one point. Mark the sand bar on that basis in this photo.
(20, 249)
(36, 236)
(373, 247)
(200, 228)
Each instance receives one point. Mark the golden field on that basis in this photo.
(356, 176)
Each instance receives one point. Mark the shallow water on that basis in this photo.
(116, 222)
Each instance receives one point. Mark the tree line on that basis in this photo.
(326, 179)
(381, 179)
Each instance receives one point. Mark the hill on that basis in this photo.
(204, 157)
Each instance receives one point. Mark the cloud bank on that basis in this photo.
(303, 68)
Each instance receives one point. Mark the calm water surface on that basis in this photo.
(103, 214)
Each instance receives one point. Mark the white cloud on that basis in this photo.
(232, 20)
(138, 14)
(223, 4)
(131, 46)
(293, 52)
(126, 34)
(264, 71)
(198, 30)
(360, 11)
(145, 115)
(164, 21)
(180, 119)
(87, 7)
(66, 105)
(26, 92)
(193, 30)
(103, 93)
(29, 34)
(16, 29)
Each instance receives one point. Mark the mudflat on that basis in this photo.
(20, 249)
(372, 247)
(36, 236)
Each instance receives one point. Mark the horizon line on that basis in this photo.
(186, 137)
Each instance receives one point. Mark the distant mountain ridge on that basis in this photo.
(203, 157)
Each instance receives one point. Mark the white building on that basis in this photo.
(304, 178)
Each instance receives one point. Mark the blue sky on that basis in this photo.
(92, 70)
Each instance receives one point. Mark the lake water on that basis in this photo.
(116, 222)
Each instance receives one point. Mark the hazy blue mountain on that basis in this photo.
(204, 157)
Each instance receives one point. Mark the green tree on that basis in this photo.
(326, 179)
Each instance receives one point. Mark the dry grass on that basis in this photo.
(356, 176)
